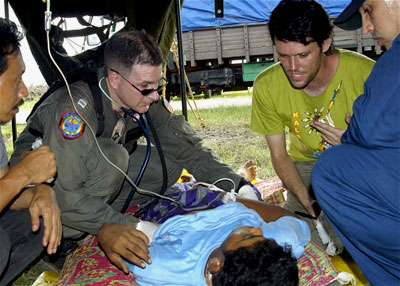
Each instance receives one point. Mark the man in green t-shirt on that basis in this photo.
(311, 92)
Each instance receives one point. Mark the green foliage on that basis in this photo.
(28, 104)
(6, 130)
(29, 276)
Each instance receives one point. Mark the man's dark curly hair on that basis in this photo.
(264, 263)
(10, 39)
(125, 49)
(296, 20)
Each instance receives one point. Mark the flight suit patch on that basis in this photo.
(71, 125)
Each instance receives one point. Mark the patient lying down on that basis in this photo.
(239, 243)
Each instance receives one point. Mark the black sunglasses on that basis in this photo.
(145, 92)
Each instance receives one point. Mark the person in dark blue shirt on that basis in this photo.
(357, 183)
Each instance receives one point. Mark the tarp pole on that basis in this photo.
(13, 120)
(6, 12)
(180, 53)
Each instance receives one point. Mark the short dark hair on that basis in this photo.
(264, 263)
(296, 20)
(125, 49)
(10, 39)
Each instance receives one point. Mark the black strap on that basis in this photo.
(98, 103)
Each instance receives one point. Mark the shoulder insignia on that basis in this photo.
(71, 125)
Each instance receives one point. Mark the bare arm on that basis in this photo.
(23, 199)
(287, 171)
(41, 201)
(11, 183)
(266, 211)
(121, 241)
(34, 168)
(6, 193)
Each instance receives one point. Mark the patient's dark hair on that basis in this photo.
(9, 43)
(296, 20)
(264, 263)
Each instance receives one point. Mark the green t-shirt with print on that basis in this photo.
(277, 104)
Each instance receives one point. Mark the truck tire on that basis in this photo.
(207, 93)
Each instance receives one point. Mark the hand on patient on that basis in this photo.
(124, 242)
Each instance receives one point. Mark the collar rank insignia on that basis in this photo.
(71, 125)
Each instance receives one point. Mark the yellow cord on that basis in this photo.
(174, 50)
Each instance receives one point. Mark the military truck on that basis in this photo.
(227, 53)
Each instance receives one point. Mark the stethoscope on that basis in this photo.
(143, 121)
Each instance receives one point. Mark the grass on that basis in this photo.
(224, 94)
(227, 133)
(29, 276)
(7, 136)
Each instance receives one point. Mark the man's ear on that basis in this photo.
(113, 79)
(326, 44)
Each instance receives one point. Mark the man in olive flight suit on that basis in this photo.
(88, 188)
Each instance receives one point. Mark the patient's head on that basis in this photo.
(247, 258)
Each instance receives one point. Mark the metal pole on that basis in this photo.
(13, 120)
(180, 53)
(6, 12)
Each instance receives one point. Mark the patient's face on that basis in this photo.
(244, 236)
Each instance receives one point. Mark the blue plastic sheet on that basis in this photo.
(200, 14)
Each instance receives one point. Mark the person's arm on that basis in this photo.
(287, 171)
(4, 171)
(34, 168)
(267, 211)
(124, 242)
(41, 201)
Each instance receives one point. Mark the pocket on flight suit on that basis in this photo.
(183, 131)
